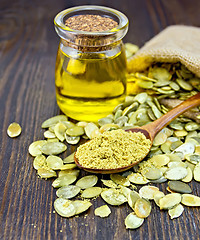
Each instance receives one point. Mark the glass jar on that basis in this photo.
(90, 74)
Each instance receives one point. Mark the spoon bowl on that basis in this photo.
(149, 130)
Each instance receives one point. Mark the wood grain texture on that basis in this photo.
(28, 46)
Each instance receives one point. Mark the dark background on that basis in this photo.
(28, 46)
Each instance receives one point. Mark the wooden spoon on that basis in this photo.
(150, 130)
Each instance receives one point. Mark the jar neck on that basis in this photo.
(87, 48)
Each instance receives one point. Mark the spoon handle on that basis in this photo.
(154, 127)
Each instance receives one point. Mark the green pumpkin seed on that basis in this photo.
(54, 162)
(72, 140)
(190, 200)
(105, 120)
(148, 192)
(87, 181)
(151, 173)
(103, 211)
(118, 179)
(183, 84)
(53, 148)
(53, 121)
(14, 130)
(39, 162)
(160, 160)
(59, 131)
(170, 200)
(189, 175)
(91, 192)
(132, 221)
(109, 183)
(69, 159)
(174, 86)
(35, 147)
(192, 126)
(46, 172)
(75, 131)
(176, 173)
(64, 207)
(68, 166)
(90, 128)
(68, 192)
(137, 178)
(144, 84)
(193, 158)
(113, 196)
(64, 181)
(49, 134)
(179, 187)
(157, 196)
(74, 172)
(142, 208)
(176, 211)
(185, 148)
(132, 197)
(159, 139)
(197, 173)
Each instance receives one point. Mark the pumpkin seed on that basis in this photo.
(109, 127)
(53, 148)
(160, 139)
(68, 124)
(14, 130)
(54, 162)
(53, 121)
(176, 173)
(170, 200)
(103, 211)
(91, 127)
(185, 148)
(64, 207)
(159, 180)
(183, 84)
(109, 183)
(72, 140)
(176, 211)
(64, 181)
(91, 192)
(151, 173)
(157, 196)
(197, 172)
(68, 166)
(132, 221)
(59, 131)
(144, 84)
(132, 197)
(35, 147)
(160, 160)
(74, 172)
(113, 196)
(69, 159)
(46, 172)
(105, 120)
(39, 162)
(49, 134)
(52, 140)
(118, 179)
(137, 178)
(190, 200)
(87, 181)
(189, 175)
(81, 206)
(68, 192)
(142, 208)
(192, 126)
(75, 131)
(179, 187)
(148, 192)
(193, 158)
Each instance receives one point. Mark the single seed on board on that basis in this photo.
(103, 211)
(132, 221)
(14, 130)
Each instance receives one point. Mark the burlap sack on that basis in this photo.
(174, 44)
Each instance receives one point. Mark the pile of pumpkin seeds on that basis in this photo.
(174, 157)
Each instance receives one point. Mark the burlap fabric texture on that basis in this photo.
(176, 43)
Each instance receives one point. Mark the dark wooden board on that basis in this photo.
(28, 46)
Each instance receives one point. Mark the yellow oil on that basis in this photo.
(90, 85)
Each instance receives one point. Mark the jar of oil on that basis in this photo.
(90, 74)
